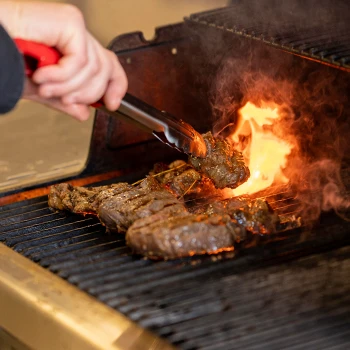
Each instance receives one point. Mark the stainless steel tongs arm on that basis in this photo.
(174, 132)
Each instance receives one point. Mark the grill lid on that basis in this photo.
(316, 30)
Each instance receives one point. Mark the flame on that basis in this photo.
(265, 153)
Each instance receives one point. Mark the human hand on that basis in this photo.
(85, 73)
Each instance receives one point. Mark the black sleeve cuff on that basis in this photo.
(11, 73)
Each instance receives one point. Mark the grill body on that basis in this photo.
(289, 290)
(293, 284)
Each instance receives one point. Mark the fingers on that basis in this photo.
(70, 40)
(117, 86)
(85, 73)
(77, 111)
(102, 76)
(94, 82)
(63, 86)
(110, 83)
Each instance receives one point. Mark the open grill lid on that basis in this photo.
(317, 30)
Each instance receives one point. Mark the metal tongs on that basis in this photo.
(168, 129)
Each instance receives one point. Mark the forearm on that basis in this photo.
(11, 73)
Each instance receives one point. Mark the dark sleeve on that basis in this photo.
(11, 73)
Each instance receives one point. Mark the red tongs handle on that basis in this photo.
(38, 55)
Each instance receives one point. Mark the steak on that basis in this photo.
(183, 236)
(255, 215)
(83, 200)
(167, 214)
(118, 212)
(182, 179)
(216, 227)
(223, 164)
(117, 206)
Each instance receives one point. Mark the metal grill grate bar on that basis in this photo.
(220, 299)
(13, 206)
(49, 244)
(37, 232)
(88, 263)
(322, 39)
(26, 227)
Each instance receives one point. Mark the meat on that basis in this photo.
(163, 216)
(213, 228)
(181, 178)
(223, 165)
(158, 224)
(117, 206)
(184, 236)
(118, 212)
(255, 215)
(83, 200)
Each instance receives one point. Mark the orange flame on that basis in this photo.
(265, 153)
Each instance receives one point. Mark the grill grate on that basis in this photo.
(211, 302)
(323, 35)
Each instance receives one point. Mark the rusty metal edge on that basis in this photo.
(45, 312)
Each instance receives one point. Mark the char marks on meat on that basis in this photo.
(181, 178)
(223, 164)
(216, 227)
(255, 215)
(119, 212)
(184, 236)
(117, 206)
(168, 215)
(82, 200)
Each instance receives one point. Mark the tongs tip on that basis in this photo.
(184, 138)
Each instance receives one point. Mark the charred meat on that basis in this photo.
(255, 215)
(117, 206)
(171, 213)
(184, 236)
(219, 226)
(223, 165)
(119, 212)
(82, 200)
(182, 179)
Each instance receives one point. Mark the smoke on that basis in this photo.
(315, 109)
(294, 15)
(323, 189)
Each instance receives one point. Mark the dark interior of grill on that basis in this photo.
(287, 290)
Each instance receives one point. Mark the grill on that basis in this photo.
(209, 302)
(289, 290)
(317, 31)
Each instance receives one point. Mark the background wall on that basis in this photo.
(38, 143)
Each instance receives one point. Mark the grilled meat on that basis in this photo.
(184, 235)
(255, 215)
(165, 173)
(82, 200)
(181, 178)
(117, 206)
(213, 228)
(159, 225)
(223, 165)
(117, 213)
